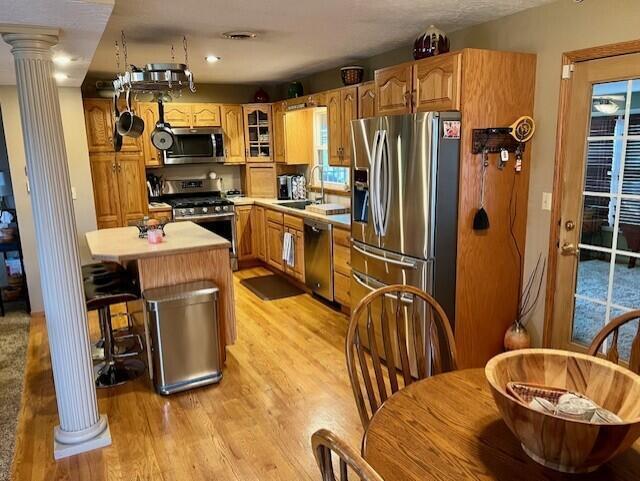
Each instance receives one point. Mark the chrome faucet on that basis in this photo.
(319, 166)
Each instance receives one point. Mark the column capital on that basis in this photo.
(30, 45)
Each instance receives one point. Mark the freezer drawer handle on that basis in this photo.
(409, 265)
(404, 299)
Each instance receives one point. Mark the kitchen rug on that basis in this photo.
(14, 337)
(272, 287)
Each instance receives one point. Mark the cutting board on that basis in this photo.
(328, 209)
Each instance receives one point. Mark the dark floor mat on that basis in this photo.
(269, 288)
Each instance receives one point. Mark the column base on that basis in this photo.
(98, 436)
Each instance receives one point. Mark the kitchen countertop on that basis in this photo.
(339, 220)
(122, 244)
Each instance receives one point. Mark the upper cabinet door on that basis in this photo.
(279, 149)
(334, 126)
(149, 113)
(205, 115)
(349, 104)
(233, 134)
(366, 100)
(178, 115)
(134, 203)
(98, 118)
(436, 83)
(393, 89)
(258, 132)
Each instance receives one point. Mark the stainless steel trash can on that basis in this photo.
(182, 324)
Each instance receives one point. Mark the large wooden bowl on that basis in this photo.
(558, 443)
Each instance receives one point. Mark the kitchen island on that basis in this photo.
(189, 253)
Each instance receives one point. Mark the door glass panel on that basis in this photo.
(607, 279)
(634, 118)
(598, 221)
(593, 274)
(588, 319)
(626, 283)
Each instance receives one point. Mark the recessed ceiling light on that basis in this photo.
(212, 58)
(60, 76)
(62, 60)
(239, 35)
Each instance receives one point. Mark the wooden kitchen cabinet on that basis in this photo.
(366, 100)
(258, 231)
(430, 84)
(233, 134)
(134, 203)
(299, 137)
(258, 132)
(99, 123)
(342, 108)
(105, 189)
(334, 127)
(260, 180)
(393, 89)
(342, 266)
(178, 115)
(297, 271)
(205, 115)
(274, 237)
(436, 83)
(119, 188)
(349, 105)
(149, 113)
(244, 232)
(279, 149)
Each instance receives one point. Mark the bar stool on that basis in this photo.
(125, 342)
(101, 293)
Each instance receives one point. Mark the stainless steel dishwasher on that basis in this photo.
(318, 257)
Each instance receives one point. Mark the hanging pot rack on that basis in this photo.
(153, 77)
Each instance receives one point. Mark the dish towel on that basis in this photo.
(288, 249)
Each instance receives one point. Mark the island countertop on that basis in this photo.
(122, 244)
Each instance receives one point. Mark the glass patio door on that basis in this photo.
(599, 263)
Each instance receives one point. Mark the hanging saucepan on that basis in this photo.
(117, 138)
(129, 123)
(162, 135)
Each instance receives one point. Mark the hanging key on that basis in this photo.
(504, 157)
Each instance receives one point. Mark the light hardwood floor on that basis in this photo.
(285, 377)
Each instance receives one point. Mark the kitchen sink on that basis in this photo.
(297, 204)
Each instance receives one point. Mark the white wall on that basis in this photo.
(78, 156)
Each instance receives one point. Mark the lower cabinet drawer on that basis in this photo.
(274, 216)
(342, 289)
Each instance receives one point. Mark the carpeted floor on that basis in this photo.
(14, 335)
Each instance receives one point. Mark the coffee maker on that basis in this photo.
(291, 187)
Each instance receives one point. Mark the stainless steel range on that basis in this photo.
(200, 201)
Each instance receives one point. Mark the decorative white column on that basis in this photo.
(81, 427)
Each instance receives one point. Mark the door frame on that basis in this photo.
(568, 58)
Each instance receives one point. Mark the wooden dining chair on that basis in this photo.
(613, 329)
(397, 334)
(325, 443)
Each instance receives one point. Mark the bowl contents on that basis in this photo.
(562, 403)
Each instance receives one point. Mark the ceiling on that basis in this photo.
(295, 38)
(81, 24)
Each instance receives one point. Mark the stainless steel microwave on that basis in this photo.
(195, 146)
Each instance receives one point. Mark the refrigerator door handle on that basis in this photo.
(384, 183)
(408, 265)
(356, 277)
(374, 183)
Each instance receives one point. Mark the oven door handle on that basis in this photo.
(212, 218)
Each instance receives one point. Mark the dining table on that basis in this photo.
(447, 427)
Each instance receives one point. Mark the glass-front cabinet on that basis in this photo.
(258, 132)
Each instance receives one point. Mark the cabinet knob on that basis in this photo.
(113, 167)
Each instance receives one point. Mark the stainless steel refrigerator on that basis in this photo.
(405, 204)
